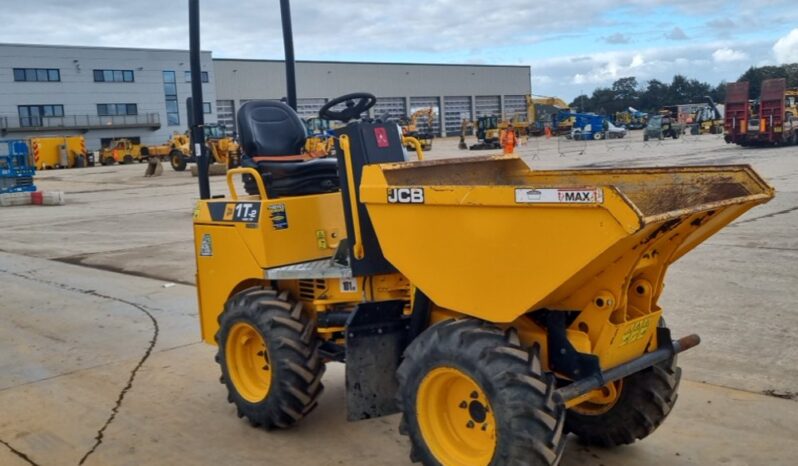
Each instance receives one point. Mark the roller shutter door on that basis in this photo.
(225, 115)
(514, 105)
(417, 103)
(307, 108)
(457, 108)
(393, 106)
(487, 105)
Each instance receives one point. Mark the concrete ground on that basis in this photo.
(100, 359)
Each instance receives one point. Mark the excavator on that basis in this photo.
(539, 111)
(488, 133)
(411, 127)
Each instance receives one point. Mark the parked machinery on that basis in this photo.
(319, 141)
(222, 148)
(419, 126)
(16, 167)
(770, 121)
(539, 115)
(631, 119)
(708, 119)
(588, 126)
(122, 151)
(59, 152)
(488, 133)
(664, 125)
(176, 146)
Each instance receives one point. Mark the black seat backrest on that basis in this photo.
(267, 127)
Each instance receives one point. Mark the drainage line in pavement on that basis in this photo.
(18, 453)
(98, 439)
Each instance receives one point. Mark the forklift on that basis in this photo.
(495, 307)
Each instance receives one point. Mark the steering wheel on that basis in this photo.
(353, 108)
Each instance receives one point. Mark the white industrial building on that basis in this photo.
(106, 93)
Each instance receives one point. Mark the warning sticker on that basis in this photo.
(206, 246)
(278, 216)
(559, 196)
(348, 285)
(635, 331)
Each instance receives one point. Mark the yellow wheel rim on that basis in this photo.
(248, 363)
(455, 418)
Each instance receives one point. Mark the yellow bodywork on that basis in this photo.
(499, 240)
(490, 239)
(46, 150)
(224, 151)
(239, 251)
(120, 150)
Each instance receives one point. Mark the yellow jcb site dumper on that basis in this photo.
(496, 307)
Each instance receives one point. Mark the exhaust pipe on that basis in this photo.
(586, 385)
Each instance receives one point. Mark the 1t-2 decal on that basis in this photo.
(242, 212)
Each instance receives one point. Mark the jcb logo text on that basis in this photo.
(406, 195)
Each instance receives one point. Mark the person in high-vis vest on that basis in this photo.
(509, 140)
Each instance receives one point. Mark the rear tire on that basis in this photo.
(108, 161)
(469, 395)
(127, 159)
(258, 323)
(645, 400)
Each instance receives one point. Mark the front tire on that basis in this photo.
(177, 160)
(645, 400)
(471, 396)
(268, 353)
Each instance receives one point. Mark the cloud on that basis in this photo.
(616, 38)
(728, 55)
(786, 48)
(724, 23)
(676, 34)
(571, 77)
(444, 31)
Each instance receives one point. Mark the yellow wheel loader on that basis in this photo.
(223, 149)
(495, 307)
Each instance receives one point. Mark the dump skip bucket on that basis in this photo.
(489, 237)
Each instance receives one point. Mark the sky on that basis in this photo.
(573, 47)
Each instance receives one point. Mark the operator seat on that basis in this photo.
(272, 138)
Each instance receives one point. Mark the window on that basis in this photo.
(113, 76)
(206, 108)
(37, 74)
(204, 75)
(117, 109)
(170, 94)
(32, 115)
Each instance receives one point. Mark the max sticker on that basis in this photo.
(559, 196)
(278, 216)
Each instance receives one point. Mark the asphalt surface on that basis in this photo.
(100, 359)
